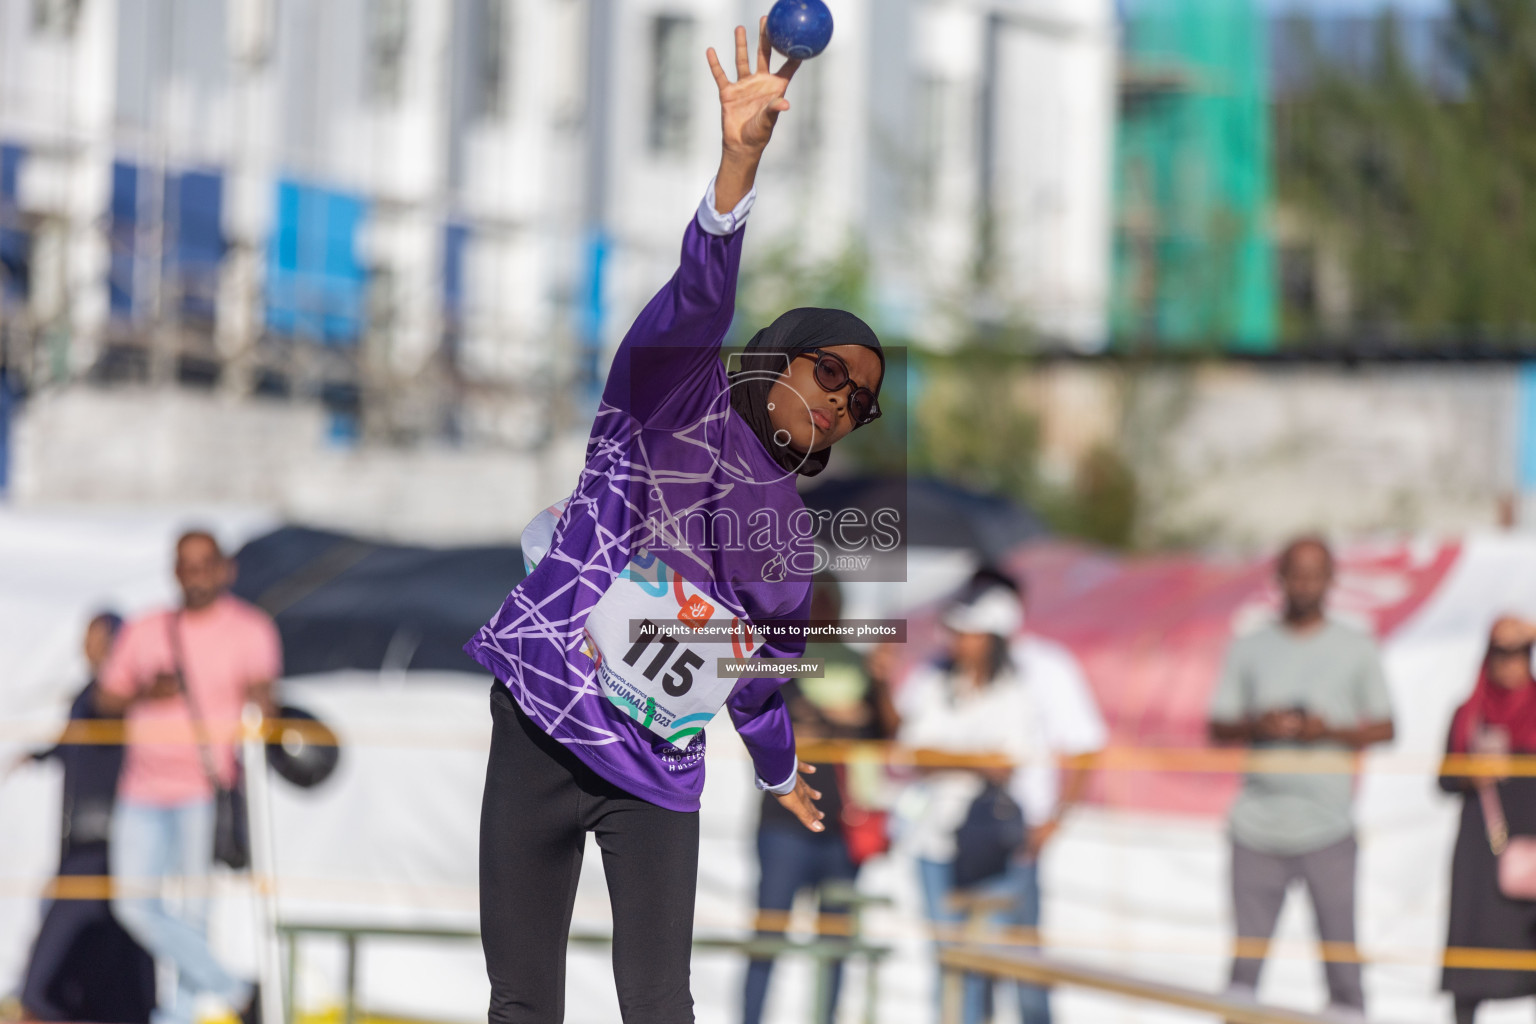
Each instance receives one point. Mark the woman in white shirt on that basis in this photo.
(974, 701)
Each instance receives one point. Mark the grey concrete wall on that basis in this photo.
(177, 448)
(1244, 455)
(1235, 456)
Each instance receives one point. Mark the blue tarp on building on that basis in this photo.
(121, 232)
(196, 248)
(455, 239)
(14, 243)
(193, 242)
(7, 406)
(316, 285)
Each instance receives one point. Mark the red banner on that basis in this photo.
(1151, 634)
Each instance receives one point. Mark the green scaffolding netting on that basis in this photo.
(1193, 259)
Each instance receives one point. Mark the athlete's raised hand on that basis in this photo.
(749, 108)
(751, 105)
(801, 801)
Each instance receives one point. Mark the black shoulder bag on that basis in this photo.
(993, 830)
(231, 824)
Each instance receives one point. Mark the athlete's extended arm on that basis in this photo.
(749, 108)
(682, 326)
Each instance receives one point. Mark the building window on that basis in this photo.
(929, 136)
(1298, 281)
(491, 47)
(387, 29)
(671, 81)
(55, 17)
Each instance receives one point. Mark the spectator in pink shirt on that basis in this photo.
(226, 652)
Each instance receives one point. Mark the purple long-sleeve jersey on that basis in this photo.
(672, 474)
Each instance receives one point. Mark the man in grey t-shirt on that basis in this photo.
(1304, 683)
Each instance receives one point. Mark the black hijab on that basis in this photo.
(796, 331)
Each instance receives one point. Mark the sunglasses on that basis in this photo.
(832, 375)
(1509, 652)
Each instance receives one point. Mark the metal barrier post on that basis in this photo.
(263, 868)
(352, 935)
(848, 894)
(823, 997)
(951, 996)
(349, 1013)
(871, 989)
(290, 979)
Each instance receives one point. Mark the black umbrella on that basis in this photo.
(935, 513)
(343, 602)
(304, 751)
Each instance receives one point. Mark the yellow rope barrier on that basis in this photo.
(1175, 760)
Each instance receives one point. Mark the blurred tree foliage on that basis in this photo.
(973, 424)
(781, 279)
(1426, 183)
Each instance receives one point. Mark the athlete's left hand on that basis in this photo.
(801, 801)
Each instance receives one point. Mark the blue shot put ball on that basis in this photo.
(800, 29)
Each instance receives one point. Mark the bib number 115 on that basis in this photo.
(673, 665)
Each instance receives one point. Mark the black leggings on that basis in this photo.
(540, 801)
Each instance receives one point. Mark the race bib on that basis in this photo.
(665, 683)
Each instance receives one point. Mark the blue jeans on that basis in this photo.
(149, 845)
(1021, 885)
(790, 860)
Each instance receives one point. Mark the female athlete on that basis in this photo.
(683, 543)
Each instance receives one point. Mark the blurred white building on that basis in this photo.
(435, 217)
